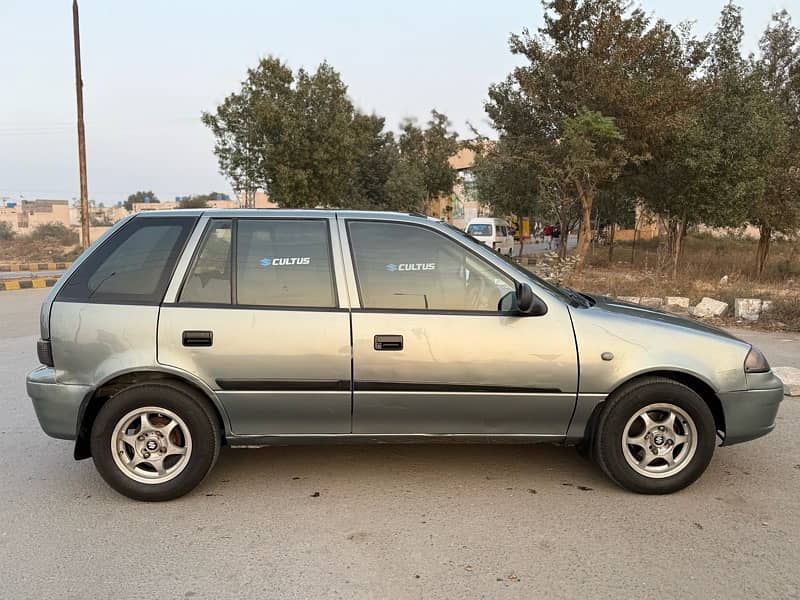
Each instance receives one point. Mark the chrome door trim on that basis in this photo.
(185, 260)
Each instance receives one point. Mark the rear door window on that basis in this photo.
(209, 280)
(133, 266)
(284, 262)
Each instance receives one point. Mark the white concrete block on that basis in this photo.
(708, 307)
(791, 379)
(748, 309)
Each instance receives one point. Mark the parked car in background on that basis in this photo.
(182, 331)
(497, 234)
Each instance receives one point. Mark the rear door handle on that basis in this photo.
(388, 342)
(198, 338)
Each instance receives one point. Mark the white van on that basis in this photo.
(495, 233)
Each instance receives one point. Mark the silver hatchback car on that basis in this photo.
(182, 331)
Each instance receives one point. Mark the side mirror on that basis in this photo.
(529, 303)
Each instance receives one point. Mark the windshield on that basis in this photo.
(562, 293)
(480, 229)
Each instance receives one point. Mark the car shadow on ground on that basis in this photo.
(409, 465)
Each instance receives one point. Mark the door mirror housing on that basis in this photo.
(522, 301)
(529, 303)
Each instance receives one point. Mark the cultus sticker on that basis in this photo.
(285, 261)
(411, 267)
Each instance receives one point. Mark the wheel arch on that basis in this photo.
(93, 402)
(694, 382)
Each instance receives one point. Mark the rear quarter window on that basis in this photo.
(133, 266)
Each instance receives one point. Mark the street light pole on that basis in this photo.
(81, 131)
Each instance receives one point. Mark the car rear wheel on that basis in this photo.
(155, 441)
(655, 436)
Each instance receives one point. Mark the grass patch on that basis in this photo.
(704, 263)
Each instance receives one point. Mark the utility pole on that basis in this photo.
(81, 131)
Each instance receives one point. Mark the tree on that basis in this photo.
(374, 166)
(299, 137)
(439, 145)
(193, 202)
(777, 208)
(593, 155)
(6, 233)
(405, 188)
(711, 167)
(593, 95)
(506, 180)
(148, 196)
(421, 171)
(614, 206)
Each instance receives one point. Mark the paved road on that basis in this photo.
(539, 247)
(391, 521)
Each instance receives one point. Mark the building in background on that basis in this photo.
(25, 215)
(223, 201)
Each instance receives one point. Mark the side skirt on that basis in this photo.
(259, 441)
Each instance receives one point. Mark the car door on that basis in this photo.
(432, 354)
(259, 320)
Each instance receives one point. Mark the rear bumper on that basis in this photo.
(57, 405)
(749, 414)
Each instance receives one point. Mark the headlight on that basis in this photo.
(755, 362)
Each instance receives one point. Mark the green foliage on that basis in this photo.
(590, 101)
(421, 170)
(56, 233)
(507, 182)
(6, 232)
(141, 196)
(193, 202)
(200, 200)
(298, 137)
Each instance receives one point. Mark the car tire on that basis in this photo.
(654, 436)
(155, 441)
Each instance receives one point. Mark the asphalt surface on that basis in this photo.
(391, 521)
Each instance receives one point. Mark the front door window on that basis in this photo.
(402, 266)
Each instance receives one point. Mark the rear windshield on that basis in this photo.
(480, 229)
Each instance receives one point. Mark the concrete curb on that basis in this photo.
(49, 266)
(27, 284)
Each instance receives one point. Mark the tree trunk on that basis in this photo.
(765, 234)
(677, 243)
(585, 235)
(611, 234)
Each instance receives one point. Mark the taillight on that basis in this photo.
(45, 352)
(755, 362)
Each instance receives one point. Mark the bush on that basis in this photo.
(6, 233)
(55, 233)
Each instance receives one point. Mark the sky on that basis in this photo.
(151, 67)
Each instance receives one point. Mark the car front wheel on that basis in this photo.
(155, 441)
(655, 436)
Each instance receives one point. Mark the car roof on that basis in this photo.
(287, 213)
(487, 220)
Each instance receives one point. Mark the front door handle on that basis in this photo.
(198, 338)
(388, 342)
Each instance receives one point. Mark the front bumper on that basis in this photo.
(749, 414)
(56, 404)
